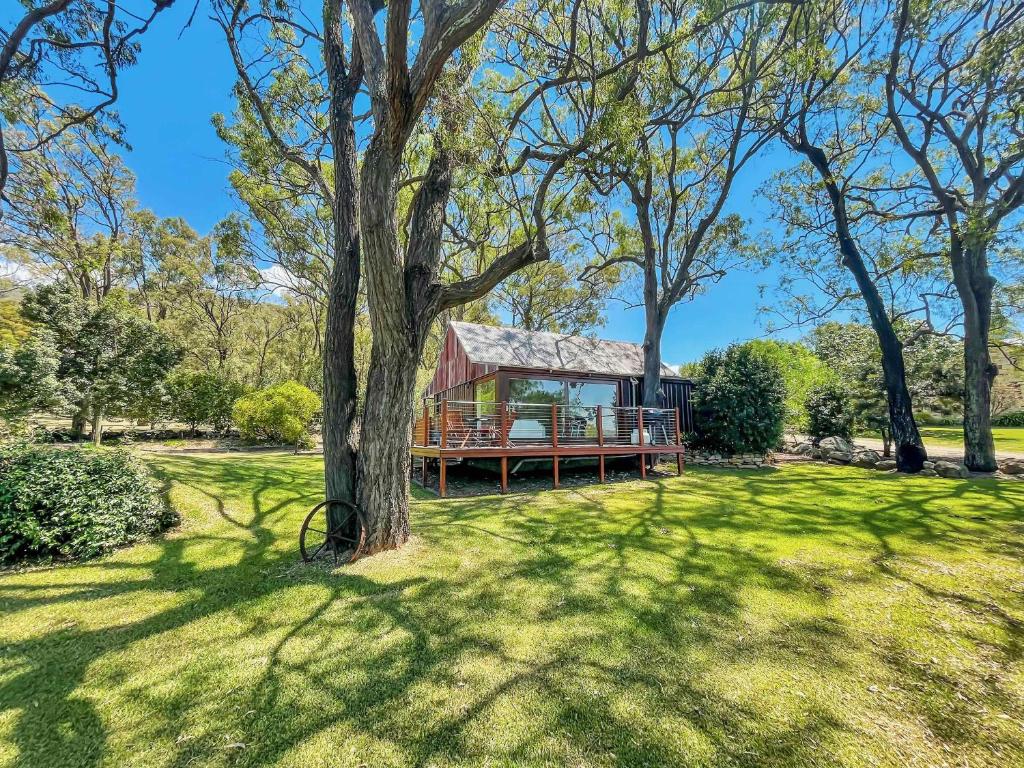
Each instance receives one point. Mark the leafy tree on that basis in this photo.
(953, 97)
(802, 371)
(29, 378)
(76, 47)
(829, 413)
(851, 351)
(671, 151)
(282, 413)
(71, 207)
(109, 356)
(202, 398)
(739, 401)
(823, 111)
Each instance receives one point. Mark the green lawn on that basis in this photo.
(812, 615)
(1007, 438)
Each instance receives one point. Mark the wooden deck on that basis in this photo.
(503, 431)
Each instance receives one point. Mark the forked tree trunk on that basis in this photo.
(974, 284)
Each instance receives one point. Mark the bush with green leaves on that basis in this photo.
(72, 503)
(739, 401)
(829, 411)
(202, 398)
(279, 414)
(1015, 419)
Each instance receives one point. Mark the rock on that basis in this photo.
(886, 464)
(873, 456)
(864, 462)
(1013, 467)
(835, 444)
(840, 457)
(928, 465)
(950, 469)
(928, 473)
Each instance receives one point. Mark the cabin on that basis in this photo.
(510, 400)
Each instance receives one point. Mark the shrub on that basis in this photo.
(202, 398)
(74, 503)
(829, 412)
(1015, 419)
(739, 401)
(280, 414)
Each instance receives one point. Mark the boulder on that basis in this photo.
(840, 457)
(928, 465)
(928, 473)
(951, 469)
(886, 464)
(864, 462)
(835, 444)
(868, 455)
(1012, 467)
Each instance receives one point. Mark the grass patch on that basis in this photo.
(813, 615)
(1006, 438)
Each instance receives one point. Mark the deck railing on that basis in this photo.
(469, 424)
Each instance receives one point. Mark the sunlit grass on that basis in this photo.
(807, 616)
(1006, 438)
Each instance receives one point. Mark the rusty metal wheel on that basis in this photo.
(343, 539)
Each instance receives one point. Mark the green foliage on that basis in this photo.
(739, 401)
(74, 503)
(28, 377)
(280, 414)
(829, 413)
(108, 356)
(1015, 419)
(202, 398)
(802, 372)
(934, 366)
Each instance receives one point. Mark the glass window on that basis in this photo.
(584, 397)
(536, 391)
(485, 395)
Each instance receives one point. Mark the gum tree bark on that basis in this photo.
(340, 387)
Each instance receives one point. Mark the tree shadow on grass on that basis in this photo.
(606, 621)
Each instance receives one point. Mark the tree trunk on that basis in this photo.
(383, 479)
(340, 388)
(910, 451)
(974, 284)
(97, 424)
(78, 421)
(653, 328)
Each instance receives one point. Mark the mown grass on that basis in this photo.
(1006, 438)
(812, 615)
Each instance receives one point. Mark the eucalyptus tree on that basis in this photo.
(844, 228)
(59, 67)
(954, 97)
(71, 208)
(672, 152)
(298, 79)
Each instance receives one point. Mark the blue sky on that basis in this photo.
(167, 100)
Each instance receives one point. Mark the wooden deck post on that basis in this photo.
(554, 441)
(503, 424)
(600, 444)
(442, 483)
(444, 425)
(504, 474)
(679, 442)
(426, 425)
(423, 471)
(640, 440)
(600, 467)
